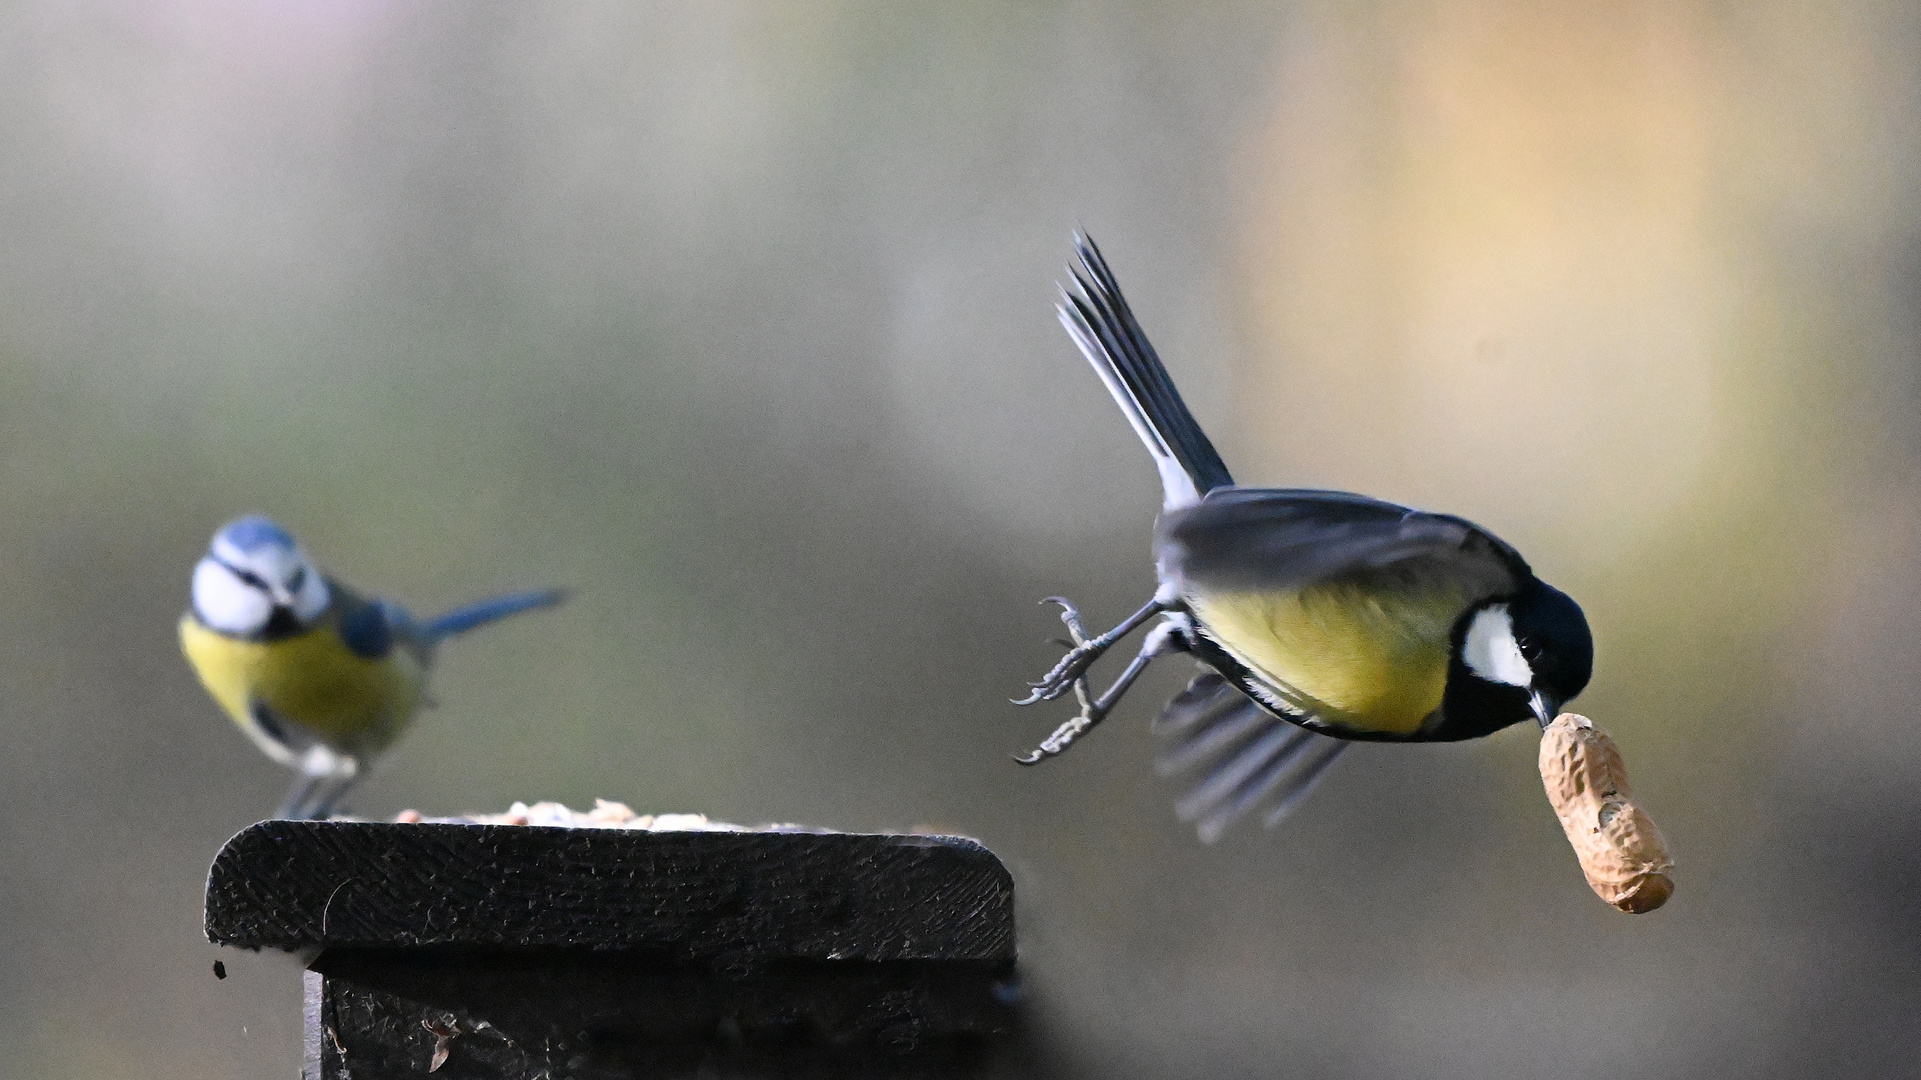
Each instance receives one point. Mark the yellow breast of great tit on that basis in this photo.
(1374, 660)
(354, 704)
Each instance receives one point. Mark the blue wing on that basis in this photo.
(369, 630)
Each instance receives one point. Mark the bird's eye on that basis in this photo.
(247, 577)
(298, 579)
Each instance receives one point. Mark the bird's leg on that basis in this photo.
(298, 796)
(1073, 667)
(322, 806)
(325, 775)
(1160, 641)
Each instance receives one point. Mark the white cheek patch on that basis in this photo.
(1490, 650)
(226, 603)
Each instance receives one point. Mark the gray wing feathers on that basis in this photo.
(1250, 759)
(1243, 538)
(1101, 324)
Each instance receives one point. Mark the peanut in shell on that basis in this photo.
(1622, 853)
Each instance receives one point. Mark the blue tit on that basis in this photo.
(1319, 618)
(319, 677)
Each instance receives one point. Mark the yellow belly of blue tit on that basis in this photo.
(1373, 661)
(354, 705)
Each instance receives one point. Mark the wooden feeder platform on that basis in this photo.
(521, 952)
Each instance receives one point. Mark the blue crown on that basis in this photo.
(254, 532)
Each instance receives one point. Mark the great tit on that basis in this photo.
(319, 677)
(1319, 617)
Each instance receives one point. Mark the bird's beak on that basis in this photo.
(1544, 707)
(282, 621)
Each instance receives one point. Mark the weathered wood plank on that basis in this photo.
(758, 896)
(535, 1014)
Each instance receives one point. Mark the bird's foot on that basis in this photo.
(1060, 740)
(1072, 668)
(1091, 713)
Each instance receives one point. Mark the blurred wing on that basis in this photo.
(1255, 539)
(1248, 760)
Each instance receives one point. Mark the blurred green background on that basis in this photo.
(736, 319)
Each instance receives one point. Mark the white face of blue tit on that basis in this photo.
(1490, 650)
(253, 569)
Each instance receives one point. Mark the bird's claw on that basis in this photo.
(1070, 615)
(1062, 677)
(1081, 654)
(1063, 736)
(1071, 672)
(1056, 743)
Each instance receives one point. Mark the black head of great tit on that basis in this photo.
(1556, 652)
(1322, 618)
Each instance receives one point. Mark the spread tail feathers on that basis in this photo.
(1098, 318)
(460, 620)
(1252, 758)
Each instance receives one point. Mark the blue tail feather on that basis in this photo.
(462, 619)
